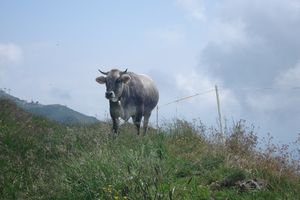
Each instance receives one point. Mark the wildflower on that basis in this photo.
(116, 197)
(108, 189)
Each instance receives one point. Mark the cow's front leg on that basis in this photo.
(116, 122)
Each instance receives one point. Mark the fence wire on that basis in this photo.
(222, 89)
(187, 97)
(214, 90)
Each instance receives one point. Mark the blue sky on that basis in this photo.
(50, 51)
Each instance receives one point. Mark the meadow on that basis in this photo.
(41, 159)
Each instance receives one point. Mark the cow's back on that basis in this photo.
(145, 90)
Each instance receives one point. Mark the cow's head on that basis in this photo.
(114, 81)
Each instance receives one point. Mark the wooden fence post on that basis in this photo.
(219, 112)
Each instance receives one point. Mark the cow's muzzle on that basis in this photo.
(109, 94)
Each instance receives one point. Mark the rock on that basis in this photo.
(252, 184)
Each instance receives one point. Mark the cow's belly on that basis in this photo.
(128, 112)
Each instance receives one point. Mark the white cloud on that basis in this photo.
(194, 83)
(231, 34)
(262, 101)
(275, 102)
(249, 42)
(280, 98)
(10, 53)
(230, 104)
(191, 83)
(194, 7)
(289, 78)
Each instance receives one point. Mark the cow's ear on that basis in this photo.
(101, 80)
(125, 78)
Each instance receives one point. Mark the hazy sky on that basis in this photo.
(50, 51)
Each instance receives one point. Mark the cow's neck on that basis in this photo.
(116, 109)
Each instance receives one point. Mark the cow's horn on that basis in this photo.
(124, 72)
(105, 73)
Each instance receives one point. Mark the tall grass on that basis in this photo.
(40, 159)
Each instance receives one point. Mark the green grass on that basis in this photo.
(40, 159)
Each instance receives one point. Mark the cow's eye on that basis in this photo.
(118, 80)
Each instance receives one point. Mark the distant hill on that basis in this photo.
(55, 112)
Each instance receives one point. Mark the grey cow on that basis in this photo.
(130, 95)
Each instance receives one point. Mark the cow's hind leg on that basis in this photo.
(146, 121)
(137, 121)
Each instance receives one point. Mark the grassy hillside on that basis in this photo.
(40, 159)
(56, 112)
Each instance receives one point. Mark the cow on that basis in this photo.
(130, 95)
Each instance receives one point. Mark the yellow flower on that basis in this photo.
(116, 197)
